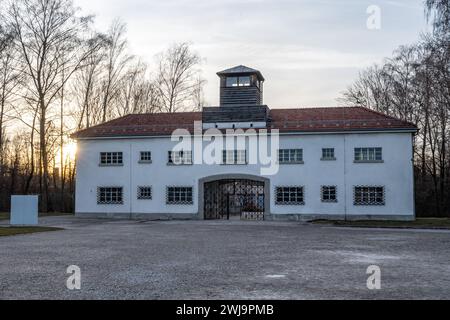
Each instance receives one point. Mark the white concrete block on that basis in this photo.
(24, 210)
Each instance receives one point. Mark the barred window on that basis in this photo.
(368, 196)
(109, 195)
(289, 196)
(328, 154)
(368, 154)
(144, 193)
(180, 157)
(290, 156)
(234, 156)
(329, 193)
(179, 195)
(145, 157)
(111, 158)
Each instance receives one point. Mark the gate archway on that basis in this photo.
(234, 197)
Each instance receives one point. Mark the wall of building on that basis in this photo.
(395, 173)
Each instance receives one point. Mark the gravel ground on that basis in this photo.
(222, 260)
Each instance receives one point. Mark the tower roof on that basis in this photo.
(241, 70)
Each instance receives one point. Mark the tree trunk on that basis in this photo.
(62, 177)
(44, 158)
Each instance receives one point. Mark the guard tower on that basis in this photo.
(241, 101)
(241, 86)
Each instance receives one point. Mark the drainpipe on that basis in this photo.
(413, 143)
(131, 181)
(345, 177)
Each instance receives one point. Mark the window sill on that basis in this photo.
(369, 204)
(110, 204)
(144, 161)
(368, 161)
(179, 203)
(234, 164)
(293, 162)
(179, 164)
(329, 201)
(289, 203)
(328, 159)
(110, 165)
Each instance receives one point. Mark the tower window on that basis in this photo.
(238, 81)
(244, 81)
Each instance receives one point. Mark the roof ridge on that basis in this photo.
(163, 113)
(385, 115)
(319, 107)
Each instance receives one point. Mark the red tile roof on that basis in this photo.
(335, 119)
(286, 120)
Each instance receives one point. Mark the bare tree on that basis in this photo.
(48, 36)
(116, 62)
(177, 76)
(370, 90)
(138, 93)
(146, 97)
(439, 12)
(9, 81)
(134, 75)
(85, 85)
(198, 95)
(414, 85)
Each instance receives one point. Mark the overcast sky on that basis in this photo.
(308, 50)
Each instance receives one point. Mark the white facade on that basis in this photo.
(394, 173)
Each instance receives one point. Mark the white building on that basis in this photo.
(332, 163)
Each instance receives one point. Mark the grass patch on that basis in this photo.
(5, 215)
(12, 231)
(420, 223)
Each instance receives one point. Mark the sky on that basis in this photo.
(309, 51)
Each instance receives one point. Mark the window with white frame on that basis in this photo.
(145, 157)
(289, 195)
(179, 195)
(180, 157)
(328, 154)
(111, 158)
(369, 196)
(368, 154)
(234, 156)
(109, 195)
(329, 193)
(144, 193)
(290, 156)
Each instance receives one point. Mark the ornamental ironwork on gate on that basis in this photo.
(234, 199)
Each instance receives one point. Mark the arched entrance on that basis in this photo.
(229, 197)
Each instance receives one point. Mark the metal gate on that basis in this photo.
(234, 199)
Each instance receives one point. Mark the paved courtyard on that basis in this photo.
(222, 260)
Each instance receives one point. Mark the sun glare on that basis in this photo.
(70, 150)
